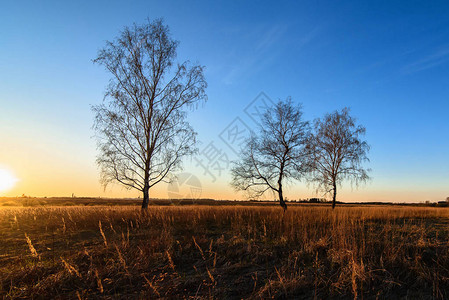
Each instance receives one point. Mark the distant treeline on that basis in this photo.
(28, 201)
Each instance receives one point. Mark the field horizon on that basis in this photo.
(27, 201)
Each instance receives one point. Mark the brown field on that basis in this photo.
(224, 252)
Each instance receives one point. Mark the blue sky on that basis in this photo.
(387, 60)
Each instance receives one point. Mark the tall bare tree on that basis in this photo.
(338, 152)
(141, 126)
(275, 154)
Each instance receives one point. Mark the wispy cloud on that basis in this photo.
(267, 47)
(437, 58)
(257, 56)
(309, 36)
(270, 37)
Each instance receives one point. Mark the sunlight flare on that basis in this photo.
(7, 180)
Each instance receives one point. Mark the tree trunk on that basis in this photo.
(146, 197)
(281, 199)
(334, 199)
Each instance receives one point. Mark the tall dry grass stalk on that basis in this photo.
(121, 259)
(102, 234)
(150, 284)
(71, 269)
(100, 285)
(170, 260)
(31, 247)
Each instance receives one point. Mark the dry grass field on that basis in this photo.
(224, 252)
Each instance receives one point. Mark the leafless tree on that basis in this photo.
(338, 152)
(275, 154)
(141, 126)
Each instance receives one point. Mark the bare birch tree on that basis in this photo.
(275, 154)
(141, 126)
(338, 152)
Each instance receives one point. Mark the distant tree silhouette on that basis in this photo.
(141, 127)
(337, 152)
(275, 154)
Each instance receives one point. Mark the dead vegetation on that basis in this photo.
(224, 252)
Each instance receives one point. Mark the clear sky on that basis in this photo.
(387, 60)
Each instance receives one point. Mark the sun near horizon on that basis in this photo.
(7, 180)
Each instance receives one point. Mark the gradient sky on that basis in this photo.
(387, 60)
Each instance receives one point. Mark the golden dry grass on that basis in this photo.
(224, 252)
